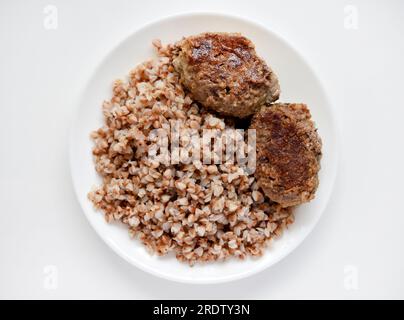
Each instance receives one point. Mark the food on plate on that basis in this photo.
(223, 72)
(203, 211)
(288, 153)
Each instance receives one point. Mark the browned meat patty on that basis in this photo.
(223, 72)
(288, 153)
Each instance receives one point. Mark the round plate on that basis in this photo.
(298, 84)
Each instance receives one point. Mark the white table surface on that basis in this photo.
(47, 247)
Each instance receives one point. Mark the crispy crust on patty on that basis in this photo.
(288, 153)
(223, 72)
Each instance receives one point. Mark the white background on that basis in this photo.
(41, 223)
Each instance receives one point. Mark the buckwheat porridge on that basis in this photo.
(203, 205)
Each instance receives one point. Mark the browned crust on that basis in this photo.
(224, 73)
(288, 153)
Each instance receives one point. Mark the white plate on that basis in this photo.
(298, 84)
